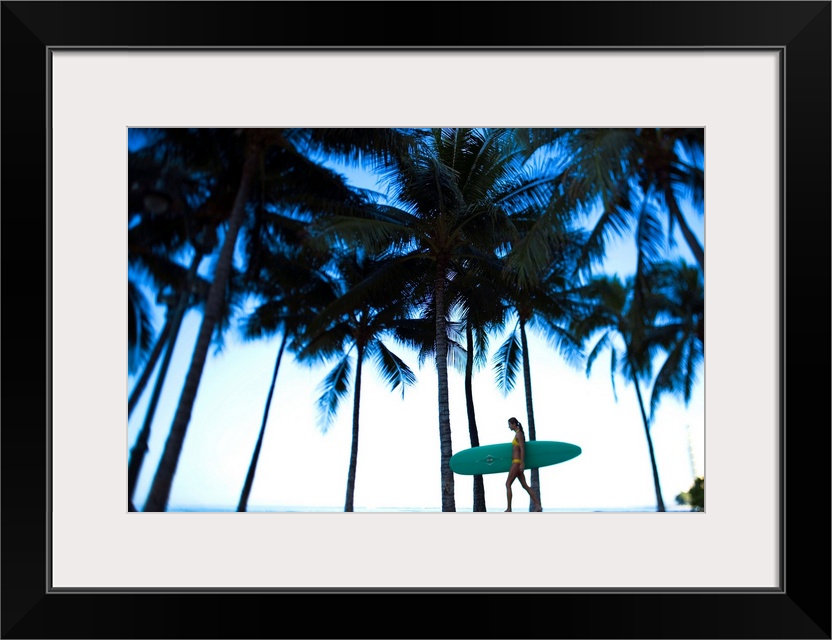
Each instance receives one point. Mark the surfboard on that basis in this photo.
(496, 458)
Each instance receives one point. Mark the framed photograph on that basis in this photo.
(755, 75)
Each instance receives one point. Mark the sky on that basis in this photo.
(301, 467)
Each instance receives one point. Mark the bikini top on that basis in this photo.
(514, 442)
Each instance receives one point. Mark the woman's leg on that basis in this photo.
(531, 493)
(512, 474)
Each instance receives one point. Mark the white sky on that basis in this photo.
(399, 456)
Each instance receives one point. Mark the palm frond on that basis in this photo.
(613, 371)
(678, 373)
(614, 222)
(457, 356)
(326, 343)
(604, 342)
(367, 147)
(140, 330)
(265, 320)
(482, 339)
(374, 234)
(650, 235)
(565, 344)
(507, 362)
(393, 370)
(334, 389)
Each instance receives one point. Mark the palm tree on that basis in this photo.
(169, 215)
(139, 328)
(237, 158)
(446, 199)
(680, 297)
(613, 309)
(546, 304)
(637, 175)
(292, 289)
(467, 343)
(541, 264)
(343, 327)
(482, 310)
(178, 303)
(285, 271)
(254, 145)
(451, 204)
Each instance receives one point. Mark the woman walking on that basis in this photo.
(518, 458)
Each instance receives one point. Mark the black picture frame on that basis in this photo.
(800, 31)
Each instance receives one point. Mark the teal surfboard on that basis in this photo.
(496, 458)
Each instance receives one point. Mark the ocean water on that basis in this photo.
(319, 509)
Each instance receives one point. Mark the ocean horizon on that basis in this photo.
(423, 510)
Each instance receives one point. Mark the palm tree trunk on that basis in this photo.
(188, 283)
(445, 448)
(348, 506)
(659, 501)
(160, 489)
(252, 467)
(149, 366)
(687, 233)
(479, 485)
(527, 378)
(140, 447)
